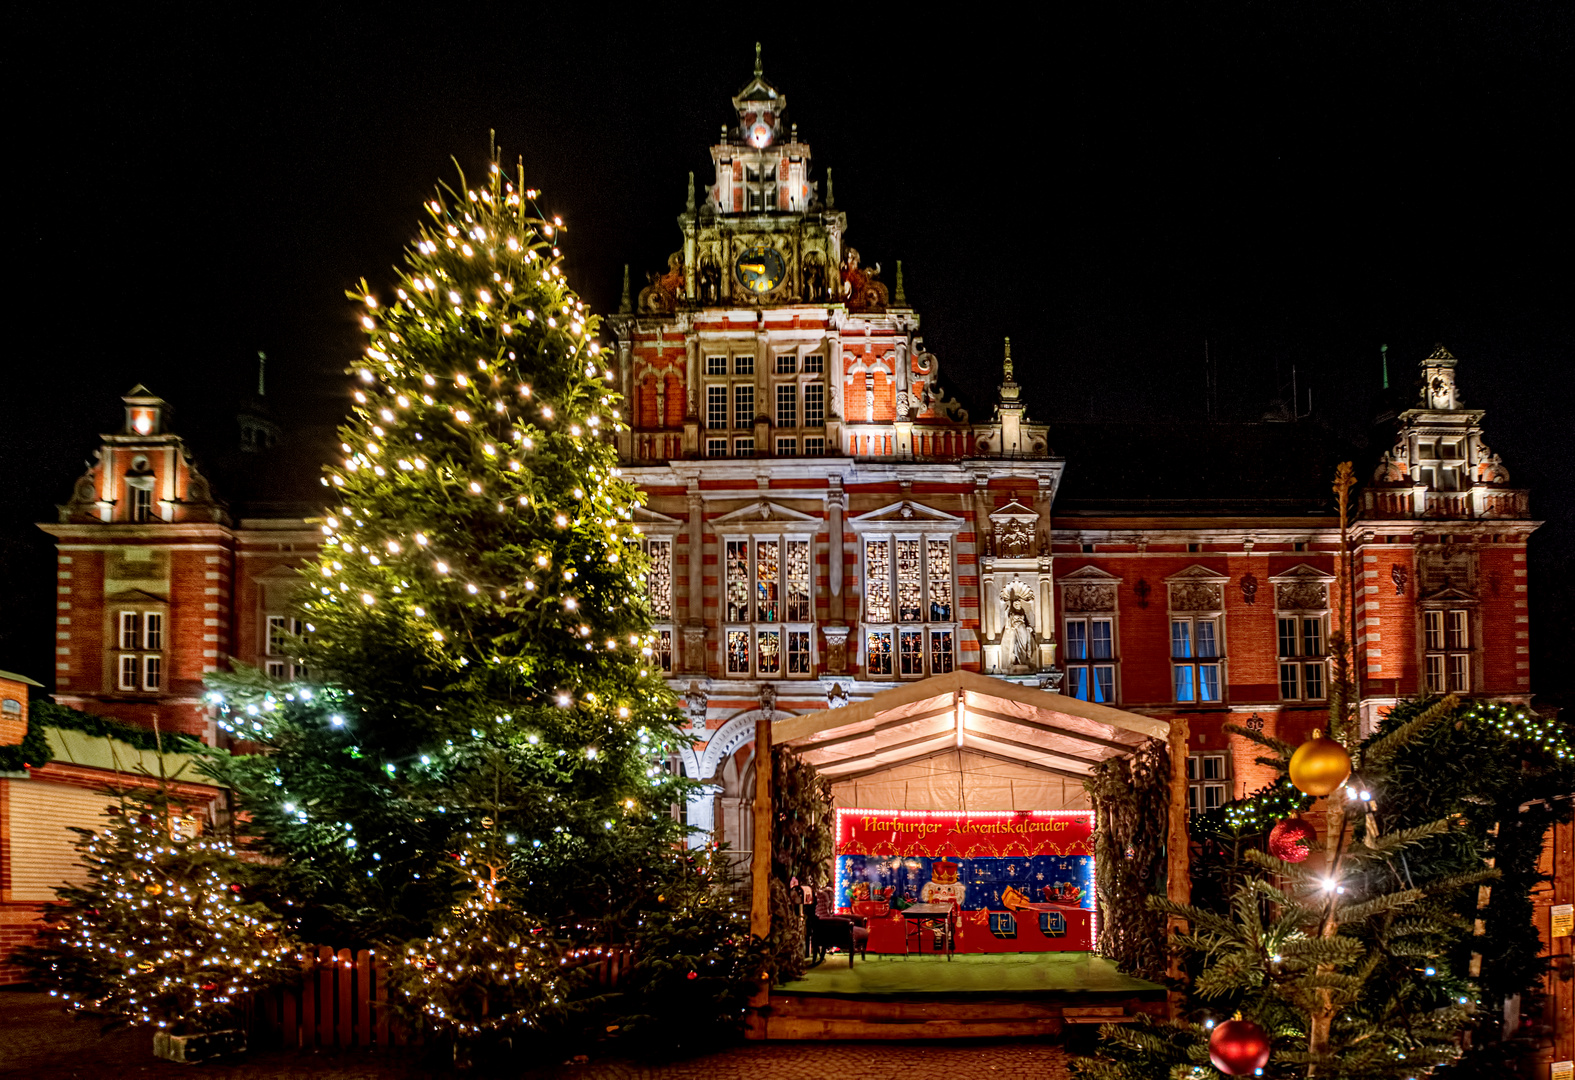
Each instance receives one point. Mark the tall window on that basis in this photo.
(1446, 637)
(768, 606)
(1303, 667)
(659, 595)
(1195, 658)
(141, 501)
(787, 405)
(1090, 653)
(139, 654)
(909, 611)
(730, 403)
(1208, 783)
(277, 661)
(798, 396)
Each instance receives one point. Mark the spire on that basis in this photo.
(759, 107)
(1383, 355)
(831, 198)
(624, 307)
(1006, 364)
(901, 297)
(689, 205)
(757, 59)
(262, 367)
(1010, 391)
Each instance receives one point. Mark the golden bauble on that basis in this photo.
(1319, 765)
(154, 889)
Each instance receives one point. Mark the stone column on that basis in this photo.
(836, 500)
(1178, 872)
(760, 870)
(694, 596)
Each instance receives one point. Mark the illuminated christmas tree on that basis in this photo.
(476, 620)
(162, 933)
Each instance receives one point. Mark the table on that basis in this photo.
(914, 918)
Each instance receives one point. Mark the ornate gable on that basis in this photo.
(1088, 588)
(1301, 588)
(1197, 588)
(654, 524)
(1013, 529)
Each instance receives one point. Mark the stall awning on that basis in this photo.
(962, 710)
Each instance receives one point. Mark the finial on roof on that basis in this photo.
(1007, 363)
(757, 59)
(831, 198)
(690, 203)
(262, 364)
(901, 297)
(1383, 355)
(624, 307)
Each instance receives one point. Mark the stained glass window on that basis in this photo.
(737, 598)
(664, 649)
(738, 652)
(877, 583)
(940, 572)
(910, 586)
(798, 652)
(878, 646)
(768, 580)
(797, 581)
(910, 648)
(768, 660)
(659, 583)
(940, 652)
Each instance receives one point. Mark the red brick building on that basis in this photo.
(826, 522)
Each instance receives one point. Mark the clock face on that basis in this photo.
(760, 269)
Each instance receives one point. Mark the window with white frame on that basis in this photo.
(716, 448)
(1089, 650)
(141, 492)
(1195, 657)
(1303, 657)
(1208, 782)
(910, 609)
(139, 652)
(768, 606)
(277, 661)
(787, 447)
(730, 402)
(798, 397)
(659, 596)
(1446, 639)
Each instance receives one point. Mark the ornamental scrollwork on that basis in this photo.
(1100, 596)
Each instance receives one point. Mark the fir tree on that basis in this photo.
(476, 619)
(162, 933)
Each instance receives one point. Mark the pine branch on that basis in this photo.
(1281, 748)
(1382, 750)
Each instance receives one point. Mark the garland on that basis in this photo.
(34, 750)
(1131, 807)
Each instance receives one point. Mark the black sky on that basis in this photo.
(1293, 184)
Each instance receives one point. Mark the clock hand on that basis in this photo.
(759, 268)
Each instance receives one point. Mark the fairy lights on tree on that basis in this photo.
(162, 933)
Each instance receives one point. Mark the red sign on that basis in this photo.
(940, 834)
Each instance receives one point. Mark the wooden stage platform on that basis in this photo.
(971, 996)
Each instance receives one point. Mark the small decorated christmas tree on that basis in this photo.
(162, 933)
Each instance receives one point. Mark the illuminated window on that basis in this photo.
(1195, 658)
(907, 585)
(141, 502)
(768, 606)
(1090, 656)
(139, 647)
(659, 598)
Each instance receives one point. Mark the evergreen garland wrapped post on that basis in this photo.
(802, 849)
(1131, 807)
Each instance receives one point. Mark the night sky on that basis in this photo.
(1273, 186)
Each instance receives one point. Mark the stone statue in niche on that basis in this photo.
(1399, 575)
(710, 281)
(836, 697)
(860, 289)
(768, 699)
(1249, 588)
(815, 278)
(1019, 649)
(696, 701)
(903, 403)
(660, 297)
(1014, 539)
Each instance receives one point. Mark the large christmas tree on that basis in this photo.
(477, 621)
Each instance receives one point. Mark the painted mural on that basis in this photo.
(1020, 882)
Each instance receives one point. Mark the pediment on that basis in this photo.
(1087, 575)
(906, 515)
(279, 573)
(1196, 572)
(650, 521)
(1450, 595)
(1015, 511)
(1301, 572)
(135, 596)
(765, 515)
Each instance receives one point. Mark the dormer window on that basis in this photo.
(140, 492)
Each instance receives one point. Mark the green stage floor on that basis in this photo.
(1051, 973)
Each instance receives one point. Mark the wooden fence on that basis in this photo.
(342, 999)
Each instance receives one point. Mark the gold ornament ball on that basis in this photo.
(154, 889)
(1319, 765)
(486, 823)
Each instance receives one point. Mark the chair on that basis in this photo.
(828, 930)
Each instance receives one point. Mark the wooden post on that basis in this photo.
(760, 872)
(363, 998)
(1178, 855)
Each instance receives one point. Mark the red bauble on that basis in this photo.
(1292, 839)
(1238, 1047)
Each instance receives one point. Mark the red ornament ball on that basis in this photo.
(693, 975)
(1238, 1047)
(1292, 839)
